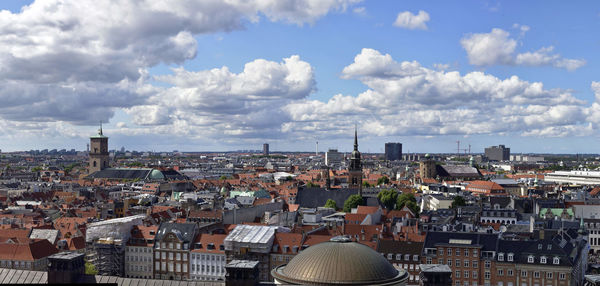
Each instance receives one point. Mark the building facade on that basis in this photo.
(393, 151)
(333, 158)
(497, 153)
(172, 249)
(139, 252)
(208, 260)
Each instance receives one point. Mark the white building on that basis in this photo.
(208, 258)
(138, 252)
(574, 177)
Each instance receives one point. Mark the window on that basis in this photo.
(474, 252)
(523, 273)
(449, 262)
(178, 257)
(475, 263)
(428, 260)
(185, 257)
(164, 255)
(440, 261)
(178, 245)
(510, 257)
(562, 276)
(398, 256)
(536, 274)
(509, 272)
(530, 259)
(163, 245)
(466, 263)
(178, 267)
(556, 260)
(457, 274)
(549, 275)
(487, 275)
(406, 257)
(487, 264)
(416, 258)
(441, 251)
(466, 252)
(466, 274)
(449, 251)
(457, 263)
(549, 247)
(500, 256)
(474, 274)
(500, 272)
(163, 266)
(540, 246)
(457, 252)
(171, 255)
(543, 260)
(390, 256)
(170, 245)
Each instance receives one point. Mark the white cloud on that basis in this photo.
(80, 60)
(405, 98)
(489, 48)
(217, 101)
(412, 21)
(497, 48)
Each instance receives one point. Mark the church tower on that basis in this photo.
(98, 156)
(355, 168)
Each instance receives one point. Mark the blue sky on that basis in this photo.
(424, 73)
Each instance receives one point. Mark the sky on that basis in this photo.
(214, 75)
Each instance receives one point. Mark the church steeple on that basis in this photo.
(355, 138)
(100, 130)
(355, 167)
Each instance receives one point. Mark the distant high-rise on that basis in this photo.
(333, 158)
(393, 151)
(497, 153)
(98, 152)
(266, 149)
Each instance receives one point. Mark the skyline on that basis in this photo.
(222, 76)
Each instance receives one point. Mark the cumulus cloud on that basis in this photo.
(412, 21)
(405, 98)
(244, 104)
(498, 48)
(79, 60)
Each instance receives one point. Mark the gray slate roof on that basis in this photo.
(316, 197)
(12, 276)
(184, 231)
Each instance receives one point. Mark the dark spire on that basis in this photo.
(100, 130)
(355, 139)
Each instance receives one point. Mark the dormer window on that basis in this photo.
(556, 260)
(549, 246)
(530, 259)
(500, 256)
(543, 260)
(540, 246)
(510, 257)
(221, 247)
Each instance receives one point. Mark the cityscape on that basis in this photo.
(299, 142)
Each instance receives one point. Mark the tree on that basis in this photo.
(413, 207)
(383, 180)
(331, 204)
(388, 198)
(403, 199)
(352, 202)
(458, 201)
(90, 269)
(223, 177)
(311, 185)
(366, 184)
